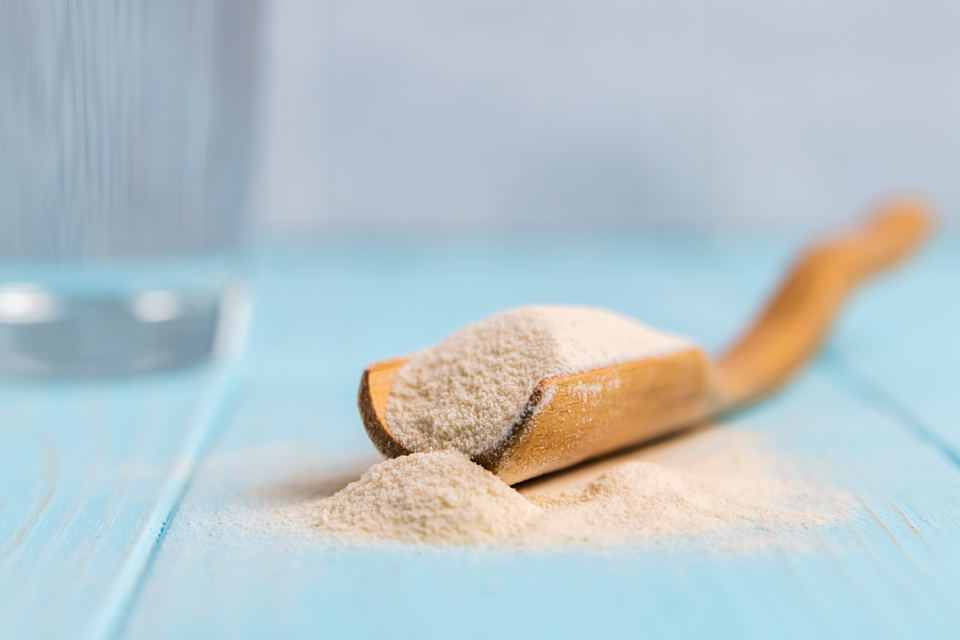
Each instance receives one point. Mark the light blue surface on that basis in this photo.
(83, 467)
(117, 499)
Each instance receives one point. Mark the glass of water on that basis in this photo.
(125, 134)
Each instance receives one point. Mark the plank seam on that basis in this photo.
(110, 619)
(869, 389)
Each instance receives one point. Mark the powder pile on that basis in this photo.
(467, 391)
(444, 498)
(427, 497)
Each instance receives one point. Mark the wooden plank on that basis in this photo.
(886, 573)
(901, 344)
(221, 573)
(89, 473)
(896, 340)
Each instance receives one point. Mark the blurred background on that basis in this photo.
(136, 134)
(379, 116)
(285, 191)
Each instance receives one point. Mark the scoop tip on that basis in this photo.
(372, 402)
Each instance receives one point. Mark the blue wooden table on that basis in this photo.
(119, 500)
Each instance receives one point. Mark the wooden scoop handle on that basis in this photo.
(797, 319)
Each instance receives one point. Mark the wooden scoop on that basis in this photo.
(571, 418)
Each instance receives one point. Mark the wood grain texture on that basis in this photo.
(89, 473)
(885, 573)
(222, 572)
(573, 418)
(901, 343)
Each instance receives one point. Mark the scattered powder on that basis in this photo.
(467, 391)
(456, 399)
(640, 499)
(444, 498)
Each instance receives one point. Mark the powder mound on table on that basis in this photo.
(443, 497)
(427, 497)
(467, 391)
(644, 500)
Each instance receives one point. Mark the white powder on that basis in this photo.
(467, 391)
(443, 498)
(644, 500)
(427, 497)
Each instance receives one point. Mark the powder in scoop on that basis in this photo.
(467, 391)
(443, 497)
